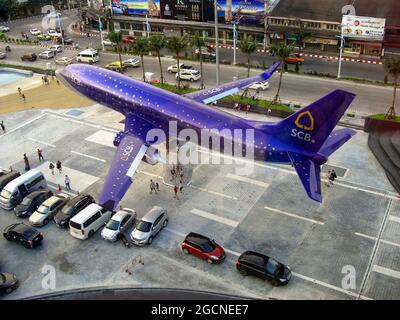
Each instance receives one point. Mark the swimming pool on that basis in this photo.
(7, 76)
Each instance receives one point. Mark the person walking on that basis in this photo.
(176, 192)
(23, 97)
(26, 161)
(180, 187)
(59, 167)
(332, 177)
(40, 155)
(19, 91)
(157, 187)
(248, 108)
(51, 167)
(3, 127)
(328, 178)
(152, 187)
(67, 182)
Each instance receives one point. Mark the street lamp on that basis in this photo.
(216, 40)
(61, 30)
(342, 41)
(235, 33)
(101, 33)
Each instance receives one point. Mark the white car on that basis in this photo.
(260, 86)
(4, 29)
(2, 55)
(182, 66)
(190, 75)
(131, 62)
(118, 224)
(64, 60)
(54, 33)
(35, 32)
(56, 48)
(47, 54)
(108, 43)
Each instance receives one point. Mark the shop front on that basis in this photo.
(321, 44)
(364, 48)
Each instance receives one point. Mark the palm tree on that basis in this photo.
(247, 45)
(157, 43)
(177, 45)
(199, 42)
(282, 51)
(301, 36)
(116, 37)
(392, 67)
(141, 47)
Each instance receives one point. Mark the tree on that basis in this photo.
(199, 42)
(141, 47)
(157, 43)
(6, 7)
(116, 37)
(282, 51)
(177, 45)
(247, 46)
(392, 67)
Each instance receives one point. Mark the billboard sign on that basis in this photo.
(136, 7)
(250, 11)
(366, 28)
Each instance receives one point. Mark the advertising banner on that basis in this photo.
(250, 11)
(366, 28)
(136, 7)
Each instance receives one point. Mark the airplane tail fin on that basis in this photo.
(309, 137)
(309, 128)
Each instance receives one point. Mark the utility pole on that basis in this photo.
(101, 33)
(234, 42)
(341, 52)
(216, 40)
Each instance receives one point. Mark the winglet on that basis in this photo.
(270, 71)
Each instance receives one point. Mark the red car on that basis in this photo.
(128, 39)
(203, 247)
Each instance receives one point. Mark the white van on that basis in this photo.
(13, 193)
(88, 221)
(88, 56)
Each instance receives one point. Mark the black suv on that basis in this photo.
(264, 267)
(8, 282)
(31, 202)
(29, 237)
(29, 57)
(72, 207)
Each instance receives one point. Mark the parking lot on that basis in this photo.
(357, 225)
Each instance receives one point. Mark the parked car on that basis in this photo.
(4, 29)
(67, 41)
(64, 60)
(88, 221)
(8, 282)
(108, 43)
(48, 54)
(54, 33)
(48, 210)
(206, 52)
(264, 267)
(29, 237)
(56, 48)
(72, 208)
(131, 62)
(2, 55)
(260, 86)
(203, 247)
(44, 37)
(116, 66)
(35, 32)
(128, 39)
(294, 59)
(31, 202)
(190, 75)
(29, 57)
(7, 177)
(182, 66)
(149, 226)
(118, 224)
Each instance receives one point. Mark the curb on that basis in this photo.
(312, 56)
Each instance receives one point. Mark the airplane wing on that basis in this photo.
(309, 173)
(125, 163)
(207, 96)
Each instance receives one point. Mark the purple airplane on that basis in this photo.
(305, 139)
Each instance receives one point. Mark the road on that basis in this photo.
(297, 89)
(324, 66)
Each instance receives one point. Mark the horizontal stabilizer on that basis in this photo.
(335, 140)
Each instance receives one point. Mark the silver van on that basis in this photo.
(149, 226)
(15, 191)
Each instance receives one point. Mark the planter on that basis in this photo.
(258, 109)
(378, 125)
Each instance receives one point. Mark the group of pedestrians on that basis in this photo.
(237, 106)
(45, 80)
(330, 177)
(22, 95)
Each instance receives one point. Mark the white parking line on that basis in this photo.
(294, 215)
(213, 192)
(214, 217)
(375, 238)
(394, 218)
(42, 142)
(87, 156)
(386, 271)
(23, 125)
(248, 180)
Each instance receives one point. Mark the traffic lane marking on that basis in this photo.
(214, 217)
(294, 215)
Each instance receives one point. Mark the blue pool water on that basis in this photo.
(9, 76)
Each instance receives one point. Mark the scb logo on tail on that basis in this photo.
(304, 121)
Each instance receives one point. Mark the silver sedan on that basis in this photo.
(118, 224)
